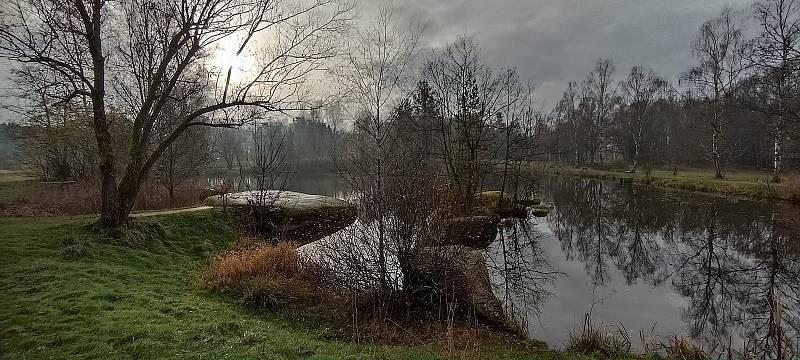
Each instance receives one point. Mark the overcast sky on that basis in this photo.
(555, 41)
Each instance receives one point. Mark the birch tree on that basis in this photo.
(719, 51)
(600, 101)
(640, 90)
(775, 55)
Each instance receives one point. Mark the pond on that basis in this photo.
(725, 272)
(646, 262)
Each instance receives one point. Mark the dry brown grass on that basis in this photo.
(274, 276)
(155, 197)
(263, 275)
(229, 268)
(681, 348)
(792, 183)
(609, 343)
(79, 198)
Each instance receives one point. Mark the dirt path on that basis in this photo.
(169, 212)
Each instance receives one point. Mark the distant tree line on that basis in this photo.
(308, 143)
(737, 105)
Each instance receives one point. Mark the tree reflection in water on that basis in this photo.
(736, 262)
(520, 273)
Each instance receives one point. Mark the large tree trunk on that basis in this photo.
(109, 193)
(126, 196)
(109, 203)
(117, 201)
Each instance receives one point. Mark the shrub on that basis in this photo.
(264, 275)
(68, 198)
(153, 196)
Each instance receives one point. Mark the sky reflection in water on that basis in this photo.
(722, 271)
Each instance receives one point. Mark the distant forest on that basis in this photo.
(737, 104)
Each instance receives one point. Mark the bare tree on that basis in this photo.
(228, 144)
(775, 54)
(267, 158)
(184, 160)
(600, 102)
(376, 65)
(516, 123)
(719, 51)
(139, 51)
(640, 90)
(335, 118)
(568, 113)
(469, 96)
(55, 144)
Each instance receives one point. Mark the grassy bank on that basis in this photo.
(736, 183)
(69, 294)
(14, 186)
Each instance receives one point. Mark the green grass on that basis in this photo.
(64, 293)
(741, 183)
(15, 186)
(14, 176)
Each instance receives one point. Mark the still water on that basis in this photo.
(724, 272)
(647, 262)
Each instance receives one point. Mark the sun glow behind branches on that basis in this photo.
(225, 58)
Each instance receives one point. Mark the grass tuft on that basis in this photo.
(681, 348)
(595, 342)
(136, 233)
(249, 338)
(74, 247)
(263, 276)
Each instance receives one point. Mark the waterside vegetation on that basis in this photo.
(70, 293)
(736, 183)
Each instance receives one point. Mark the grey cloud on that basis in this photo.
(554, 42)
